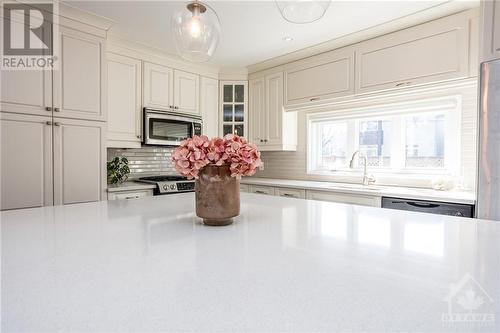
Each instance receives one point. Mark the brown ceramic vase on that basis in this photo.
(217, 195)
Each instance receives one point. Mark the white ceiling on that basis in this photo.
(252, 31)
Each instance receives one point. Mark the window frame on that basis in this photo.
(398, 112)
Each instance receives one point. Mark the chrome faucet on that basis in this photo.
(367, 180)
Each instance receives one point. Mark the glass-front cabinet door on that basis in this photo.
(234, 103)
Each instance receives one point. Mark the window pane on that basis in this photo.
(425, 141)
(228, 93)
(238, 129)
(239, 93)
(238, 112)
(227, 129)
(228, 112)
(375, 142)
(333, 138)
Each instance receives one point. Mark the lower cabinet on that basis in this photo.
(355, 199)
(79, 161)
(261, 189)
(26, 161)
(127, 195)
(47, 161)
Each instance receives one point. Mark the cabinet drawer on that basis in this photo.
(432, 52)
(130, 195)
(244, 188)
(262, 189)
(290, 192)
(355, 199)
(320, 78)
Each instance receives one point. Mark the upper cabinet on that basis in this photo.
(158, 86)
(234, 101)
(186, 91)
(78, 84)
(171, 89)
(271, 128)
(210, 106)
(490, 14)
(320, 78)
(124, 102)
(431, 52)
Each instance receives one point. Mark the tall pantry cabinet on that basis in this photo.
(52, 125)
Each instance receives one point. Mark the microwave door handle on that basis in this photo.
(192, 129)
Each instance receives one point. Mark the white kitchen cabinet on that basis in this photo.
(186, 92)
(490, 14)
(355, 199)
(26, 161)
(127, 195)
(233, 105)
(78, 84)
(209, 106)
(319, 78)
(158, 89)
(79, 161)
(257, 111)
(268, 190)
(431, 52)
(271, 128)
(290, 192)
(124, 102)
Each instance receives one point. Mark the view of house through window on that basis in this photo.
(399, 141)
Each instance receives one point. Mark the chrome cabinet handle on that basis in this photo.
(133, 197)
(176, 107)
(57, 109)
(139, 137)
(57, 123)
(48, 108)
(260, 192)
(314, 99)
(288, 195)
(403, 84)
(48, 123)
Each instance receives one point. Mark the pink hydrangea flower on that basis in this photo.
(197, 152)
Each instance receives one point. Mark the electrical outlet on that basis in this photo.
(261, 167)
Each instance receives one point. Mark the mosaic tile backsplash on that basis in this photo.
(146, 161)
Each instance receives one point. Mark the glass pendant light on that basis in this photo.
(196, 30)
(302, 11)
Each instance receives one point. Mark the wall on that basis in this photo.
(293, 165)
(146, 161)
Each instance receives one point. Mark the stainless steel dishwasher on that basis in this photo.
(434, 207)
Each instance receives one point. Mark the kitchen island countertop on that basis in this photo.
(284, 265)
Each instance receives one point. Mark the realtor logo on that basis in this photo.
(468, 304)
(28, 35)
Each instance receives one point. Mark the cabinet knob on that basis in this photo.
(171, 106)
(403, 84)
(57, 109)
(139, 137)
(48, 123)
(261, 140)
(314, 99)
(57, 123)
(48, 108)
(176, 107)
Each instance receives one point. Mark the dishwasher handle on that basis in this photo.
(417, 204)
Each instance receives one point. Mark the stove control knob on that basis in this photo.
(165, 187)
(172, 187)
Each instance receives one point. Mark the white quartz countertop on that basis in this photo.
(284, 265)
(375, 190)
(131, 186)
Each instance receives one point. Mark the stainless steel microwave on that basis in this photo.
(168, 128)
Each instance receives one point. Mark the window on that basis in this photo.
(419, 137)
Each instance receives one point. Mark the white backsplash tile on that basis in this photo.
(146, 161)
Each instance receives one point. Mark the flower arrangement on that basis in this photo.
(199, 151)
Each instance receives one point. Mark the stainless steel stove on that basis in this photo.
(169, 184)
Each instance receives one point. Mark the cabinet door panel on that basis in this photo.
(491, 30)
(79, 161)
(355, 199)
(274, 109)
(124, 102)
(186, 91)
(210, 106)
(158, 86)
(79, 80)
(432, 52)
(26, 161)
(257, 115)
(290, 192)
(321, 78)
